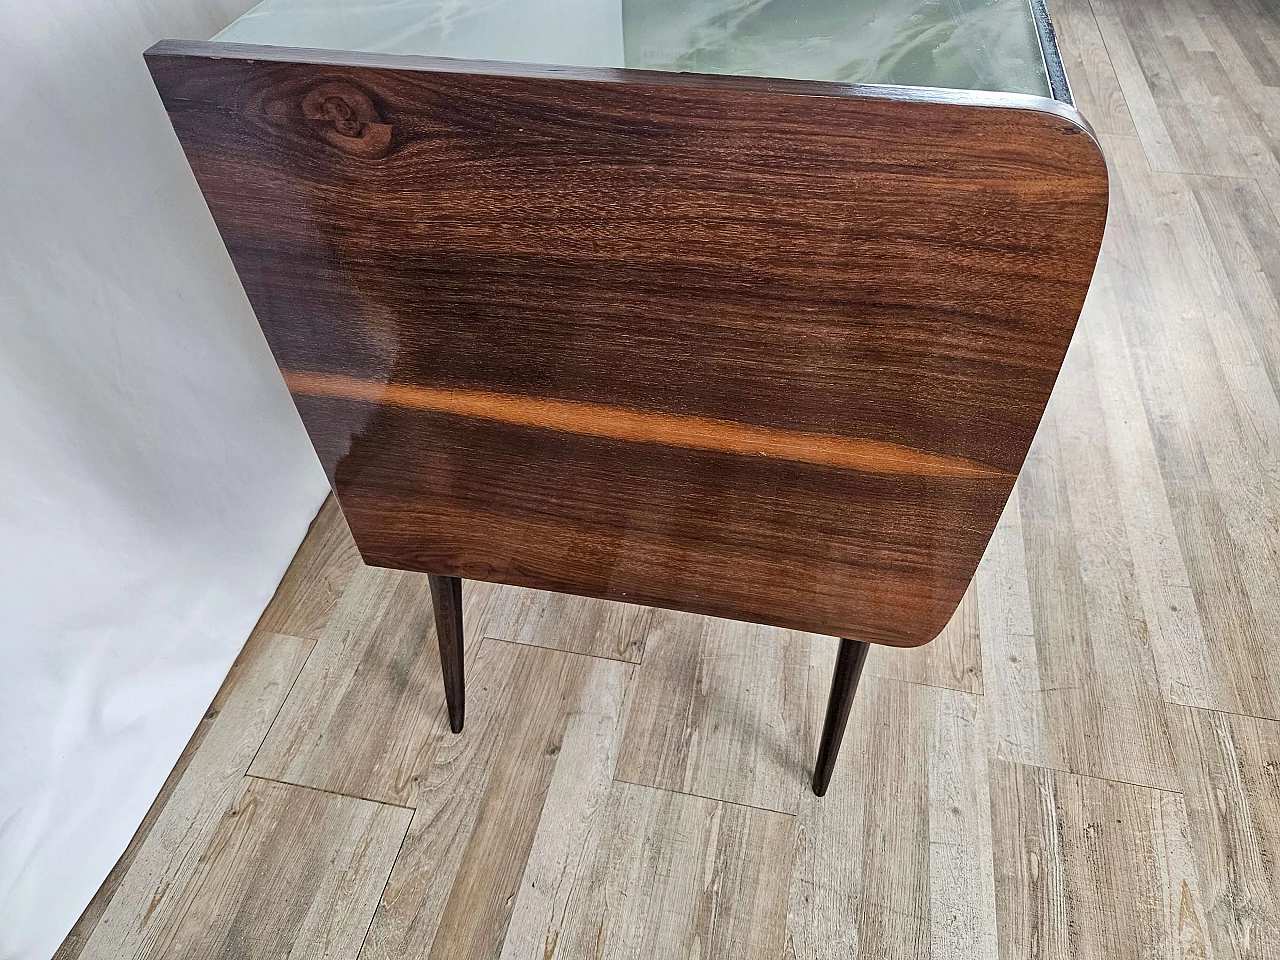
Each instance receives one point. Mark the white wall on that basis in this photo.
(154, 478)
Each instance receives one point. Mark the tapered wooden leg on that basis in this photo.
(446, 596)
(850, 660)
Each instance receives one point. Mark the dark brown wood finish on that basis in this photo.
(769, 350)
(851, 657)
(446, 598)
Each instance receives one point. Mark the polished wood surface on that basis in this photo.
(768, 350)
(1116, 739)
(851, 657)
(446, 602)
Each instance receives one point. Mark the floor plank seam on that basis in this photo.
(332, 793)
(1221, 176)
(1273, 204)
(575, 653)
(1087, 776)
(923, 683)
(386, 883)
(1228, 713)
(283, 700)
(1093, 18)
(294, 636)
(1111, 62)
(703, 796)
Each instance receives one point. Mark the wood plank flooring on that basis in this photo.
(1084, 765)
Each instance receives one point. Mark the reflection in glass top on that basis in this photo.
(966, 44)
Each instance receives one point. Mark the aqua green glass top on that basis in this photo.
(964, 44)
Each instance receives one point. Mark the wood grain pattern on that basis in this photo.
(637, 426)
(768, 350)
(598, 628)
(1178, 645)
(1068, 673)
(481, 897)
(1094, 84)
(1099, 690)
(1155, 475)
(323, 566)
(1205, 74)
(1231, 779)
(448, 796)
(952, 660)
(894, 861)
(1211, 409)
(331, 854)
(368, 710)
(1066, 654)
(718, 711)
(1091, 868)
(148, 904)
(1010, 658)
(455, 883)
(570, 826)
(664, 874)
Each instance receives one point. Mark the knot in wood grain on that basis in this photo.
(348, 120)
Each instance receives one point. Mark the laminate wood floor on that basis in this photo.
(1085, 764)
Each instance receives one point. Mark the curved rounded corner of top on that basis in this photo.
(1076, 124)
(924, 628)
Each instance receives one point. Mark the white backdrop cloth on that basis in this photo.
(154, 477)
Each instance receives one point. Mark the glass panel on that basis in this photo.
(966, 44)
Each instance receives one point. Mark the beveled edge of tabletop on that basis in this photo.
(224, 50)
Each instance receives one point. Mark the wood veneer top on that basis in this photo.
(765, 349)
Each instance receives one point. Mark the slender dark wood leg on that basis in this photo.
(850, 660)
(446, 596)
